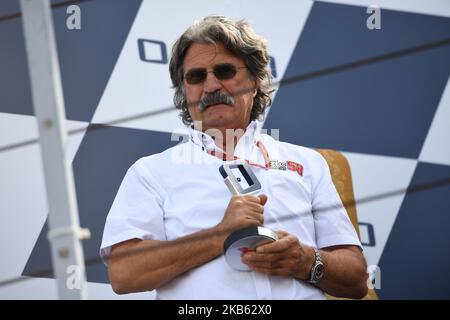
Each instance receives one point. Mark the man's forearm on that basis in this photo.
(345, 273)
(143, 265)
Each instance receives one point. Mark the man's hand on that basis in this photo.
(345, 267)
(243, 211)
(285, 257)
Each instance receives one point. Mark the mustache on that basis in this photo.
(217, 97)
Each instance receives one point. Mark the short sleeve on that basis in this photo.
(136, 211)
(331, 222)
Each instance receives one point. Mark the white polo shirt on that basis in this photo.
(180, 191)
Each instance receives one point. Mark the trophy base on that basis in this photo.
(243, 240)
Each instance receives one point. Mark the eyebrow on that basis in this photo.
(218, 64)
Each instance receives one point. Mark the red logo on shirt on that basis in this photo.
(288, 165)
(294, 166)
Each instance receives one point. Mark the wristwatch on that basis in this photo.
(317, 269)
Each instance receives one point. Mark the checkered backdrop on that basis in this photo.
(379, 96)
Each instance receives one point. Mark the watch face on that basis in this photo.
(318, 272)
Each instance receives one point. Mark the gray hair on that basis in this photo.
(239, 38)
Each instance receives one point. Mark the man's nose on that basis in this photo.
(211, 84)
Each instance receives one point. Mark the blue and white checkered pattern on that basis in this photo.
(382, 97)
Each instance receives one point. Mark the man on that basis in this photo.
(172, 213)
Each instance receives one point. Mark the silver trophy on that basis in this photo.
(240, 179)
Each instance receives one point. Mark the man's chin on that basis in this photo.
(216, 121)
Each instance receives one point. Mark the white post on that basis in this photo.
(65, 233)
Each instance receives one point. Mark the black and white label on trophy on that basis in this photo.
(240, 179)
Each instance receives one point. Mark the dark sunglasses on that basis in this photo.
(223, 71)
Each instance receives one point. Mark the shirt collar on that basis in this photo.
(252, 133)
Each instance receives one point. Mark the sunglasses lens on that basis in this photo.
(225, 71)
(222, 72)
(196, 76)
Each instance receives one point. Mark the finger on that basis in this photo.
(256, 207)
(252, 212)
(264, 265)
(276, 246)
(250, 198)
(261, 257)
(255, 217)
(281, 234)
(262, 199)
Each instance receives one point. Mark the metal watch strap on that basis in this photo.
(318, 263)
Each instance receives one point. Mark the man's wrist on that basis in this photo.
(317, 269)
(304, 273)
(219, 236)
